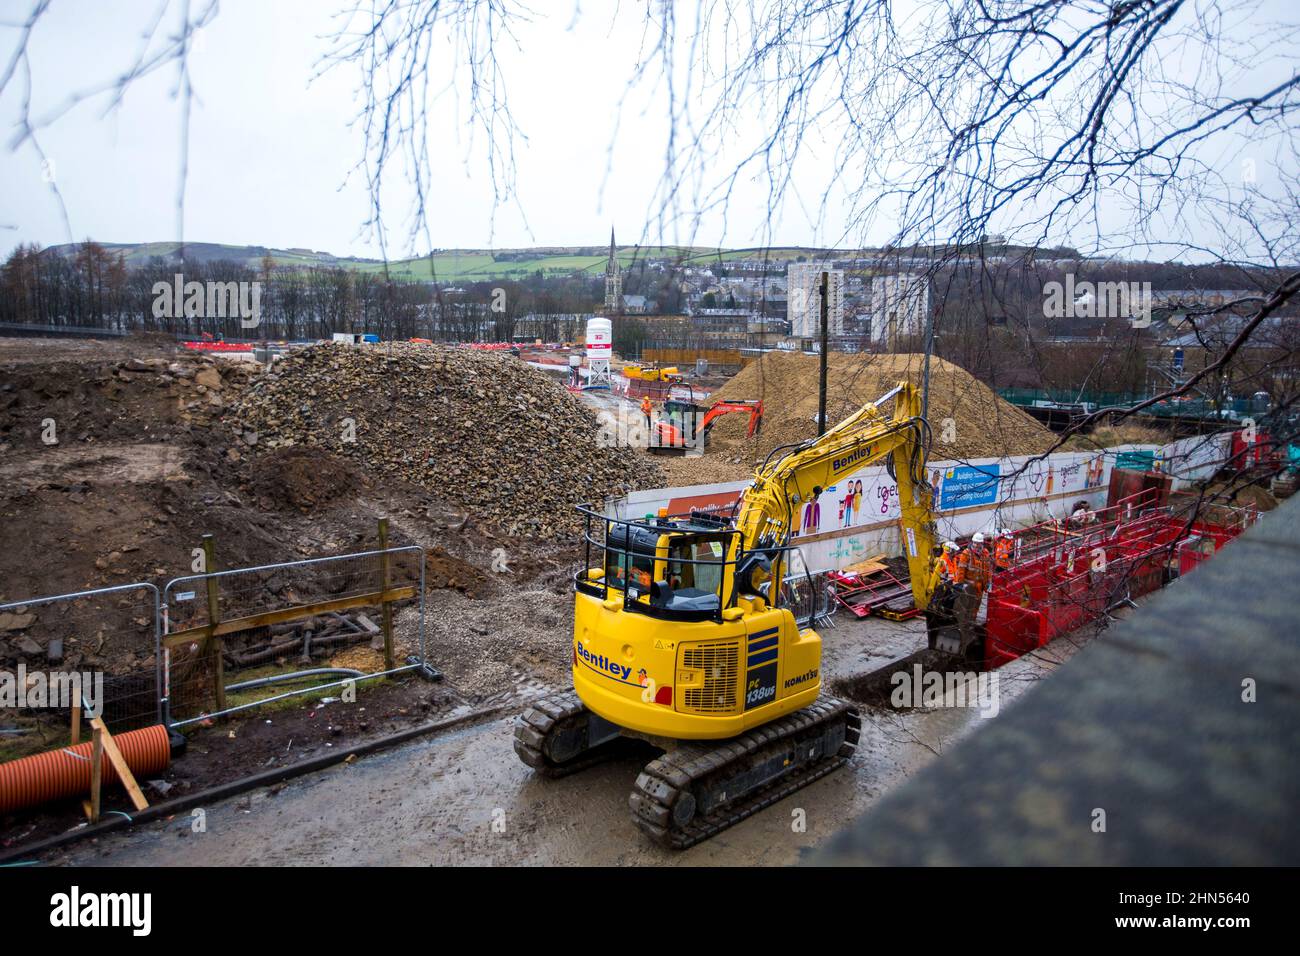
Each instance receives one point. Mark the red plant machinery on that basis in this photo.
(688, 424)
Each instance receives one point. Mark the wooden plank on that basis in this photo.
(298, 612)
(76, 721)
(96, 772)
(119, 763)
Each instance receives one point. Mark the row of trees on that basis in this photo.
(94, 288)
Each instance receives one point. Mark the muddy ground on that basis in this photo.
(463, 797)
(143, 468)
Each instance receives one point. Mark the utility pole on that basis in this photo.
(931, 313)
(821, 384)
(929, 349)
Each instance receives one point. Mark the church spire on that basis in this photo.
(613, 280)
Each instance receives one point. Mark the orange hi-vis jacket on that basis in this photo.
(1003, 551)
(947, 565)
(645, 406)
(973, 568)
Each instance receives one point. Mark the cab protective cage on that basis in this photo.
(620, 537)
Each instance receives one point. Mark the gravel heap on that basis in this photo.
(980, 423)
(483, 429)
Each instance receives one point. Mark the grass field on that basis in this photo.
(467, 265)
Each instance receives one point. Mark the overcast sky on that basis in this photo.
(271, 149)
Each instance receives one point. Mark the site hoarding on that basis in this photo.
(858, 516)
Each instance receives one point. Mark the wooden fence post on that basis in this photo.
(96, 772)
(216, 646)
(105, 748)
(385, 606)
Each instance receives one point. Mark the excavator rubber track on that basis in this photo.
(556, 726)
(699, 789)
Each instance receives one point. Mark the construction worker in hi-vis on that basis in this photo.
(943, 577)
(1004, 550)
(974, 569)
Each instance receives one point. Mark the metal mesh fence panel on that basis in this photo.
(99, 646)
(236, 638)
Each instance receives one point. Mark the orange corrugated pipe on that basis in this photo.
(55, 774)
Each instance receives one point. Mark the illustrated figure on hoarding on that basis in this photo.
(812, 517)
(857, 500)
(846, 506)
(1095, 469)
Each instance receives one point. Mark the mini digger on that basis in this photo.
(688, 424)
(684, 639)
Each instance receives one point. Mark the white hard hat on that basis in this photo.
(1006, 532)
(950, 545)
(977, 538)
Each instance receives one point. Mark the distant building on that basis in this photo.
(1202, 298)
(613, 281)
(721, 321)
(803, 298)
(900, 305)
(636, 305)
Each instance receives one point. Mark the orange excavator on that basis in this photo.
(687, 424)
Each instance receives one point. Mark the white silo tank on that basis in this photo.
(600, 338)
(600, 349)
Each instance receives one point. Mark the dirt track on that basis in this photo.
(464, 798)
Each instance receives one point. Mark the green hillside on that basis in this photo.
(450, 265)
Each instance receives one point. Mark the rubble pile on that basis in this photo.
(485, 430)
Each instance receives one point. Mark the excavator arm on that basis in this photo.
(754, 409)
(784, 484)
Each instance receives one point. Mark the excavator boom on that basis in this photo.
(783, 484)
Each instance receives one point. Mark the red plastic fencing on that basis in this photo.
(1071, 572)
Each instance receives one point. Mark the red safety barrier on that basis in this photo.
(217, 346)
(1070, 572)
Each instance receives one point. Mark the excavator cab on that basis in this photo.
(681, 567)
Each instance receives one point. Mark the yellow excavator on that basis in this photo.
(683, 639)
